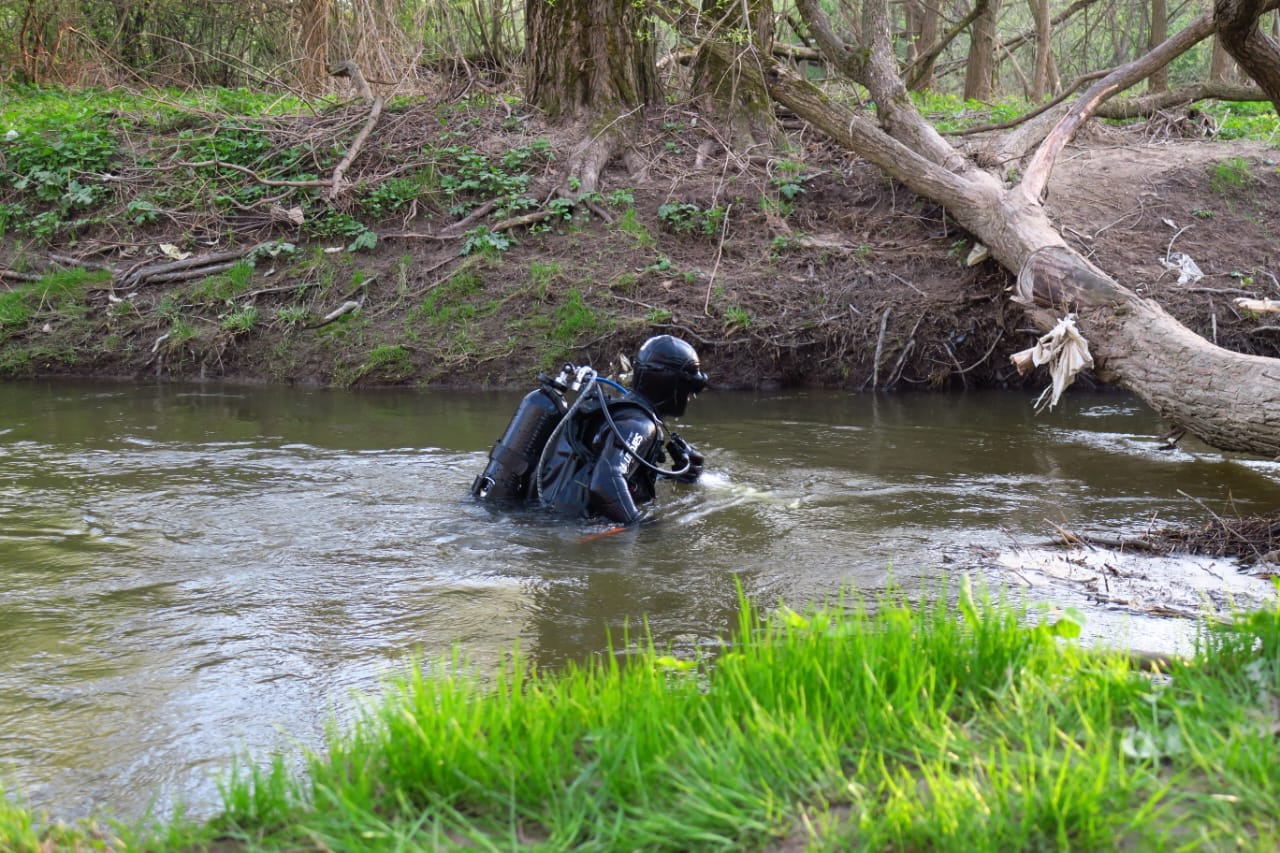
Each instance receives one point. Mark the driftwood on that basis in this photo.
(197, 266)
(1259, 306)
(348, 307)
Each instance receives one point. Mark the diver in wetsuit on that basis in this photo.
(605, 463)
(601, 458)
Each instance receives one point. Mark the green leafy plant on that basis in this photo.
(789, 179)
(470, 177)
(682, 217)
(140, 211)
(483, 241)
(364, 240)
(621, 198)
(12, 215)
(395, 194)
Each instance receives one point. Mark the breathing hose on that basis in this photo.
(604, 404)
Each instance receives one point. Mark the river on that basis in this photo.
(192, 573)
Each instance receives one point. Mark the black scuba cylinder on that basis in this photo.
(514, 457)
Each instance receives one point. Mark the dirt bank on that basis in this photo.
(812, 270)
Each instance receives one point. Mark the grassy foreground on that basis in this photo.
(972, 727)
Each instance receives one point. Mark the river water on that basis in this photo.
(188, 574)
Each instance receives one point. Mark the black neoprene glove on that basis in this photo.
(682, 454)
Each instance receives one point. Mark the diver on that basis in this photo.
(601, 456)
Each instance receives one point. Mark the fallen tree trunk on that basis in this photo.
(1227, 399)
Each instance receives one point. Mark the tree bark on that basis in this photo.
(919, 74)
(743, 112)
(1241, 35)
(585, 58)
(314, 21)
(590, 63)
(922, 23)
(1044, 49)
(979, 75)
(1148, 105)
(1219, 63)
(1157, 32)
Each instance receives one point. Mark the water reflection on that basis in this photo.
(192, 571)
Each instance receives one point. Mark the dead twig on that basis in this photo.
(201, 265)
(875, 361)
(269, 182)
(340, 170)
(342, 310)
(711, 279)
(1230, 531)
(901, 363)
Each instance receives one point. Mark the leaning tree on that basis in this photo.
(1227, 399)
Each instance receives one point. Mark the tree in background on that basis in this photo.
(735, 101)
(313, 22)
(979, 79)
(590, 64)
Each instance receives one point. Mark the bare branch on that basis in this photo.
(1154, 102)
(1036, 177)
(341, 169)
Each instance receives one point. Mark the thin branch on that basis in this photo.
(341, 169)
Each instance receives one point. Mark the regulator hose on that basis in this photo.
(688, 462)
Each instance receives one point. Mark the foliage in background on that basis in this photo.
(276, 44)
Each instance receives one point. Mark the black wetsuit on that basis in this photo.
(592, 469)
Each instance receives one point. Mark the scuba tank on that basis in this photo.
(509, 474)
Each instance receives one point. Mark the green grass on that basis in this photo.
(225, 286)
(1230, 175)
(575, 320)
(981, 726)
(1233, 119)
(53, 291)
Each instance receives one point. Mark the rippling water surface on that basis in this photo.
(187, 573)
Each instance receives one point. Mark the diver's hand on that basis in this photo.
(685, 458)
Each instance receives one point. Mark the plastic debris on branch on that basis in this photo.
(1064, 350)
